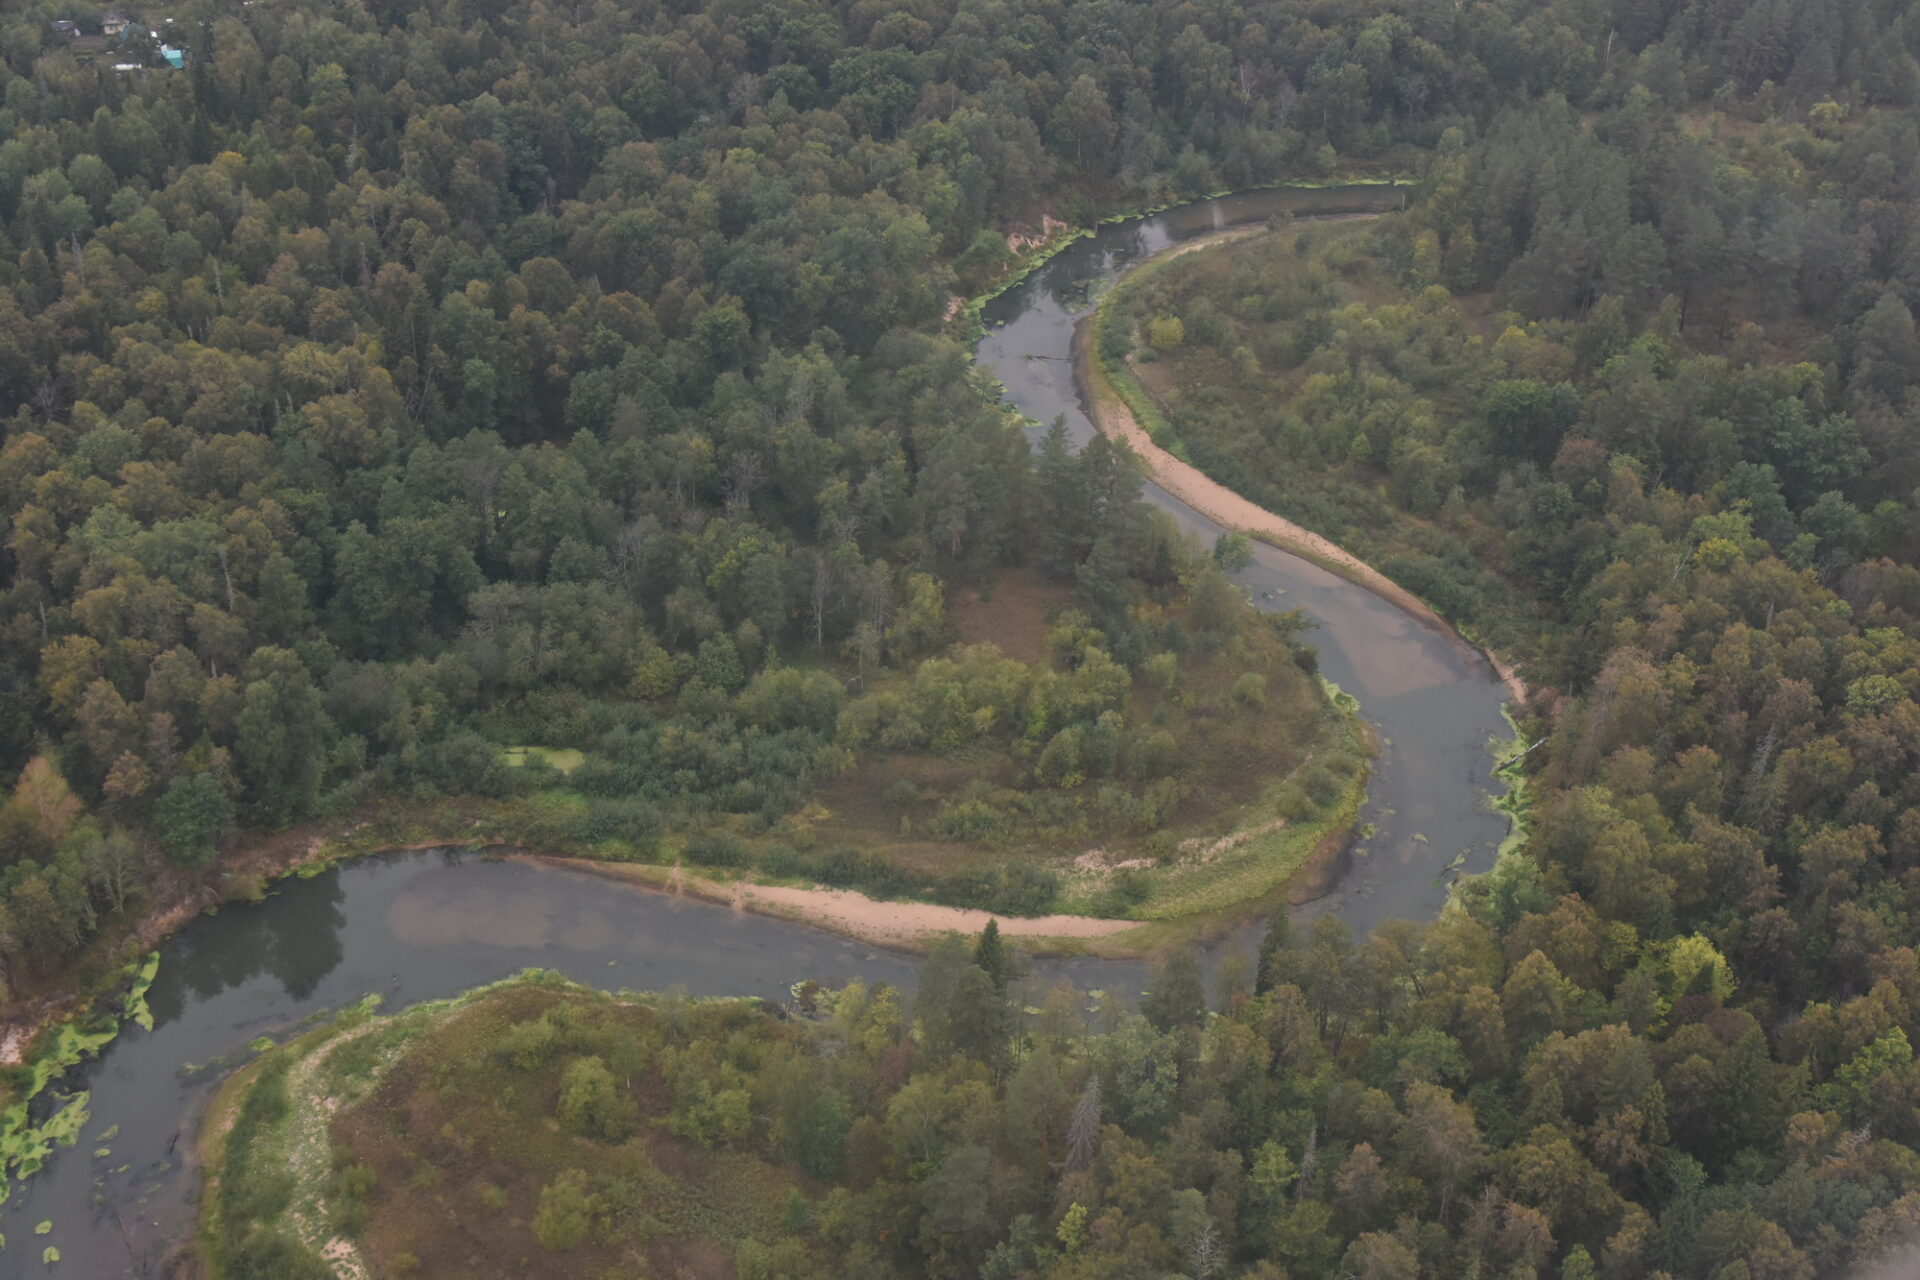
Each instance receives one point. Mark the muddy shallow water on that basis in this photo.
(424, 925)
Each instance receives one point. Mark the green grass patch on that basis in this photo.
(562, 760)
(1292, 819)
(531, 1127)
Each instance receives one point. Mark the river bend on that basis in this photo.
(426, 925)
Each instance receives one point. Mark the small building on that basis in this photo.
(66, 27)
(115, 24)
(176, 58)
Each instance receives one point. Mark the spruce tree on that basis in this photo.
(990, 955)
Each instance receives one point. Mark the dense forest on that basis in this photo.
(1420, 1104)
(388, 389)
(1634, 393)
(392, 386)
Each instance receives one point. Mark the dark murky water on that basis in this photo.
(423, 926)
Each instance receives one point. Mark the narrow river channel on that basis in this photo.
(1435, 703)
(424, 925)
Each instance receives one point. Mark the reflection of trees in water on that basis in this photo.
(292, 935)
(1112, 250)
(1123, 245)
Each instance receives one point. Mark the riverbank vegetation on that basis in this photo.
(390, 390)
(1631, 396)
(542, 1128)
(1429, 1102)
(396, 408)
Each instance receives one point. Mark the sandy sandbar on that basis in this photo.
(1232, 511)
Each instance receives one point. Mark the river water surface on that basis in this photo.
(426, 925)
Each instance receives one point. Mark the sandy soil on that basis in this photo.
(909, 925)
(907, 921)
(1229, 509)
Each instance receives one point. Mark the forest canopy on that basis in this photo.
(388, 387)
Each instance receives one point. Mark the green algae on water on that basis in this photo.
(1339, 697)
(70, 1045)
(136, 1002)
(24, 1148)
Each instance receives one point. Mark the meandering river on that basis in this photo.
(426, 925)
(1434, 701)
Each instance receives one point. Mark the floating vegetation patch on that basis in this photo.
(136, 1002)
(24, 1147)
(1339, 697)
(70, 1045)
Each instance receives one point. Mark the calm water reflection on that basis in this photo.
(413, 927)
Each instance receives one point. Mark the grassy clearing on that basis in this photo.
(442, 1141)
(561, 760)
(1011, 612)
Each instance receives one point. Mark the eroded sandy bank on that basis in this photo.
(1232, 511)
(907, 925)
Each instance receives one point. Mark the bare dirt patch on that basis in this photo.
(1011, 611)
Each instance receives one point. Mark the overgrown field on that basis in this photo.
(531, 1128)
(1065, 783)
